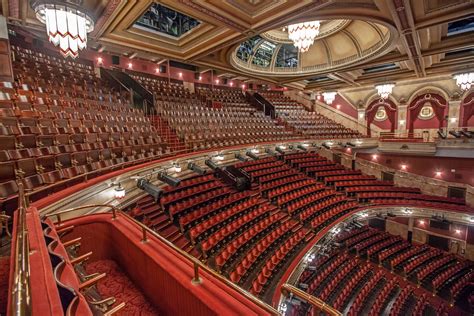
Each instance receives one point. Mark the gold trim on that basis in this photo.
(20, 303)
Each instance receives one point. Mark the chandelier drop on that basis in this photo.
(67, 24)
(303, 34)
(384, 90)
(329, 97)
(465, 80)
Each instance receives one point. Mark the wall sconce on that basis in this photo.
(176, 168)
(100, 60)
(401, 122)
(130, 65)
(119, 192)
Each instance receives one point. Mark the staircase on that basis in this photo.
(154, 217)
(167, 133)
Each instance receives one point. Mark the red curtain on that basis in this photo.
(390, 109)
(436, 101)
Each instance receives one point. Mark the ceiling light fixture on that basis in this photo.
(67, 24)
(464, 80)
(303, 34)
(329, 97)
(384, 90)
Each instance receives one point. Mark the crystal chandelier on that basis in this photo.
(303, 34)
(67, 24)
(384, 90)
(465, 80)
(329, 97)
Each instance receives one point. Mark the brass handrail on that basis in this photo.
(73, 209)
(314, 301)
(20, 304)
(196, 263)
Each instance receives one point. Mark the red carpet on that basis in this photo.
(118, 285)
(4, 272)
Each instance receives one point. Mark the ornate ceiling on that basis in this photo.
(419, 42)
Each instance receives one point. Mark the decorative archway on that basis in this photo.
(390, 108)
(437, 102)
(467, 108)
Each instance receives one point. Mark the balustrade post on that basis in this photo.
(196, 280)
(144, 235)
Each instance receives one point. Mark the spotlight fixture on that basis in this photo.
(270, 152)
(240, 157)
(119, 192)
(174, 182)
(149, 188)
(211, 164)
(252, 155)
(280, 149)
(194, 167)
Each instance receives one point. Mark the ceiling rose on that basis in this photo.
(67, 24)
(303, 34)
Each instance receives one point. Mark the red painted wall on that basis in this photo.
(345, 107)
(427, 166)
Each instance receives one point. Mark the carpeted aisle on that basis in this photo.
(118, 285)
(4, 274)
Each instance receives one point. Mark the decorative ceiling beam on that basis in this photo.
(223, 20)
(404, 20)
(455, 15)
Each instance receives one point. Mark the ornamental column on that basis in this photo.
(454, 113)
(402, 118)
(361, 121)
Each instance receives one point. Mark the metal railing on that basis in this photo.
(319, 304)
(20, 303)
(197, 265)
